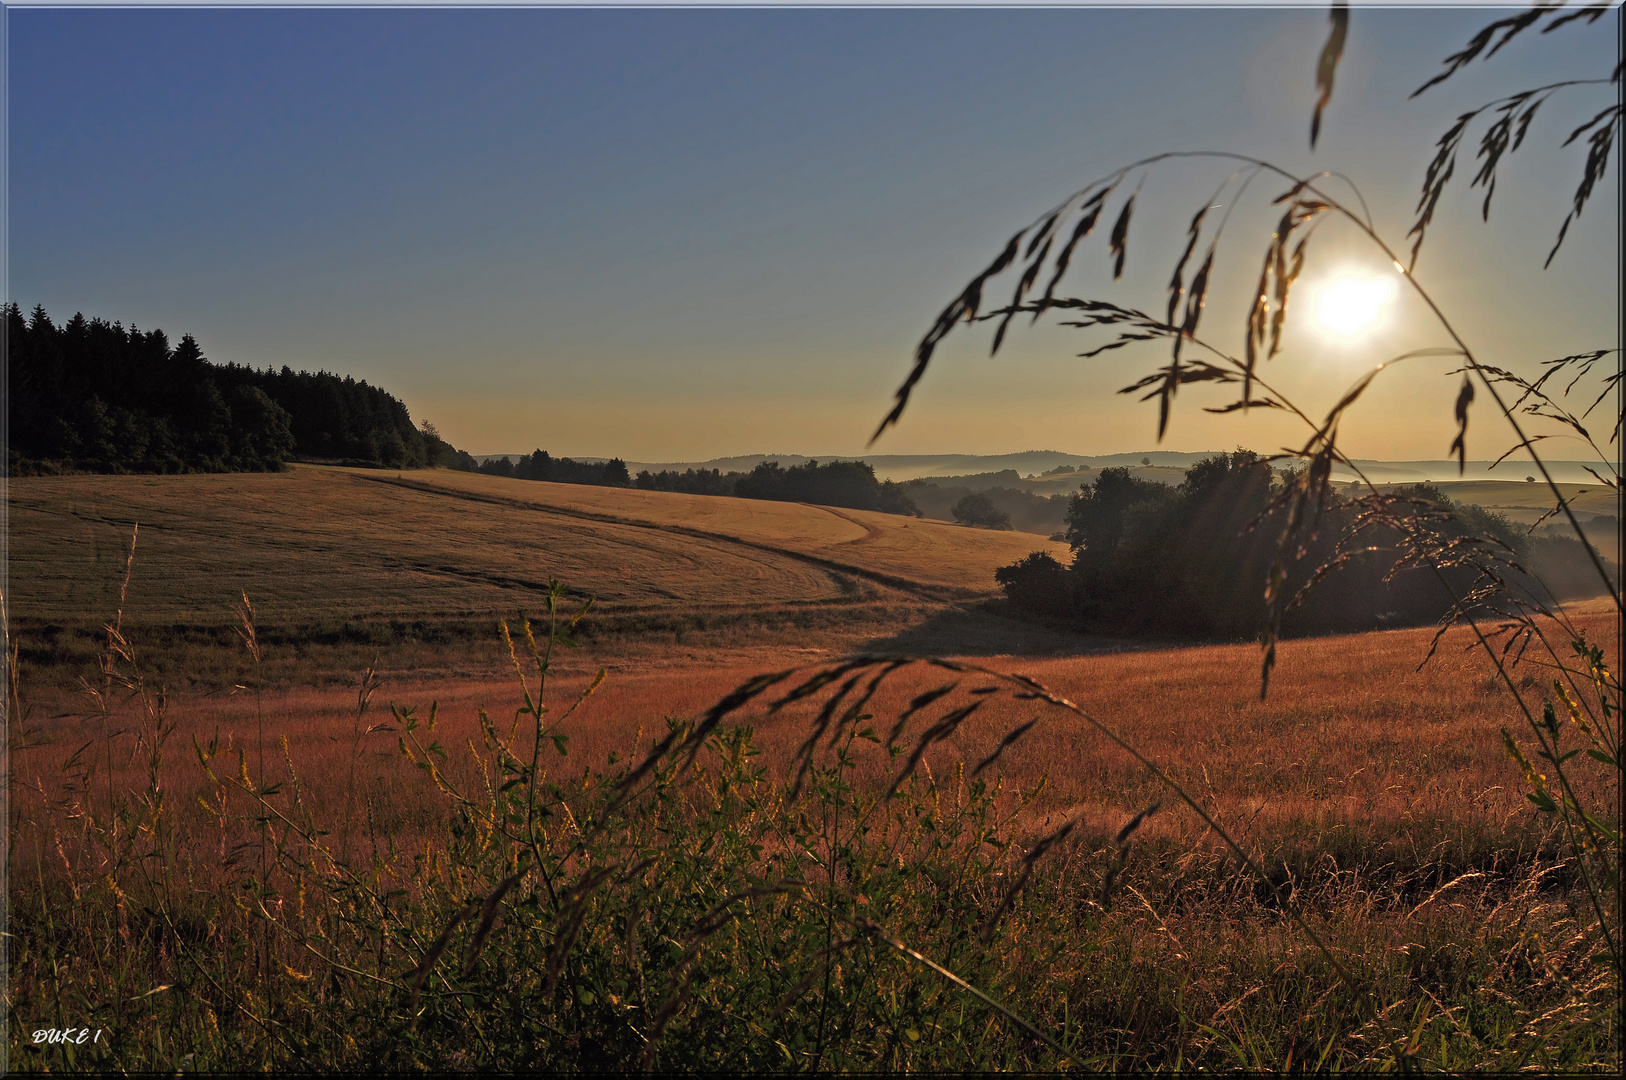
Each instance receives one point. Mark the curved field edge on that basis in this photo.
(322, 545)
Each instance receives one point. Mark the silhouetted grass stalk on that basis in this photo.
(1307, 491)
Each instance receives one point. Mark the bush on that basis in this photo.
(1189, 561)
(1038, 584)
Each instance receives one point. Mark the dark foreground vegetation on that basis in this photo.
(94, 396)
(1188, 561)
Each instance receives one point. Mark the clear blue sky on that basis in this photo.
(676, 234)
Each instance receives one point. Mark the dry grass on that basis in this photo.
(1355, 749)
(344, 566)
(1368, 789)
(1352, 738)
(318, 544)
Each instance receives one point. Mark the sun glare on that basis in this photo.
(1350, 306)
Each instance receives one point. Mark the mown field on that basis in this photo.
(316, 543)
(339, 564)
(269, 862)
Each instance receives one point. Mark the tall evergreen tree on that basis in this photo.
(93, 395)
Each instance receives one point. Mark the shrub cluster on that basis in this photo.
(1189, 561)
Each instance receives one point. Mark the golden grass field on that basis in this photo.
(1378, 784)
(318, 544)
(1352, 737)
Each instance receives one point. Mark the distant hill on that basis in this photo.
(1412, 472)
(1037, 463)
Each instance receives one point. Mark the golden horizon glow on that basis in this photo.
(1350, 305)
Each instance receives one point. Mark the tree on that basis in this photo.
(978, 510)
(262, 438)
(95, 395)
(1095, 516)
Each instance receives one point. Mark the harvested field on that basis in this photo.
(912, 551)
(319, 545)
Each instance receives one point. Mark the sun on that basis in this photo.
(1350, 306)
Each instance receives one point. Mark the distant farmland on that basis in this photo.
(1525, 503)
(318, 545)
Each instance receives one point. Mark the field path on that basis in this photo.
(320, 547)
(872, 532)
(922, 590)
(906, 552)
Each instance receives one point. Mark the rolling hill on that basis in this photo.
(321, 545)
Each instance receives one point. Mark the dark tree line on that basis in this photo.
(1025, 510)
(835, 483)
(851, 484)
(347, 420)
(1189, 561)
(95, 396)
(689, 481)
(540, 465)
(91, 395)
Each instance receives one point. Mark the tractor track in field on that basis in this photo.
(915, 589)
(872, 533)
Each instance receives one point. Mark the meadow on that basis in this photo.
(287, 864)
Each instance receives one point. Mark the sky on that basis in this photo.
(675, 234)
